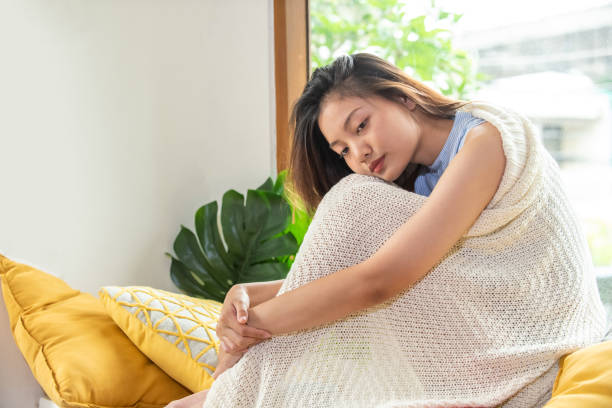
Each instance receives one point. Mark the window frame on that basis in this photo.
(291, 67)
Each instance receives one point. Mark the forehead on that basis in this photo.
(336, 109)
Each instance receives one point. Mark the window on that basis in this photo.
(553, 64)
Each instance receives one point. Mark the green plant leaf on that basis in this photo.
(268, 185)
(275, 247)
(301, 222)
(188, 251)
(265, 272)
(185, 281)
(232, 222)
(278, 216)
(211, 243)
(256, 212)
(279, 185)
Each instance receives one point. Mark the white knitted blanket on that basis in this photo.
(485, 327)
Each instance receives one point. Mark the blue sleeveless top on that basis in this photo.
(429, 176)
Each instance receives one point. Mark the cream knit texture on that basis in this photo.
(485, 327)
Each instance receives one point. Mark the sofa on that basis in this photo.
(20, 388)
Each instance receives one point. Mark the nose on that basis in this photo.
(363, 151)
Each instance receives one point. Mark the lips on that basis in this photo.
(375, 163)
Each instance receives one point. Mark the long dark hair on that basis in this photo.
(313, 167)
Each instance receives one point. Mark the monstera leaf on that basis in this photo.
(257, 242)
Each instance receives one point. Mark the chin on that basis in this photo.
(392, 178)
(386, 178)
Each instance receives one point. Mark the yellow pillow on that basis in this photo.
(584, 379)
(176, 331)
(74, 349)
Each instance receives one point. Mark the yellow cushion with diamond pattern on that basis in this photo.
(175, 331)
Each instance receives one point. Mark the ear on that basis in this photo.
(410, 104)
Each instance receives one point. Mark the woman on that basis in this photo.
(443, 267)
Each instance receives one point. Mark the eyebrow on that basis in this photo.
(346, 123)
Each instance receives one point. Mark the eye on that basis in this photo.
(361, 126)
(344, 152)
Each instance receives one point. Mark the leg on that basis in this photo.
(304, 368)
(354, 219)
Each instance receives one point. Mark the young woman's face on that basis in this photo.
(374, 135)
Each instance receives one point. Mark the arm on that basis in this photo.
(463, 191)
(261, 291)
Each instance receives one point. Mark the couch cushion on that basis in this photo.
(74, 349)
(584, 379)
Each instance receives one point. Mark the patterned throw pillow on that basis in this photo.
(176, 331)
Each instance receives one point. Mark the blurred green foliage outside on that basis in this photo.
(421, 45)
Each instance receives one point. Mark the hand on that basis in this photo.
(232, 329)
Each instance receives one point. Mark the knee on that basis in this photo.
(360, 197)
(356, 186)
(355, 179)
(362, 191)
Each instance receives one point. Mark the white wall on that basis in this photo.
(118, 119)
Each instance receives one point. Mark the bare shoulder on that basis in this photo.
(484, 142)
(485, 135)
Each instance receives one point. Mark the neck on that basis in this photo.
(434, 133)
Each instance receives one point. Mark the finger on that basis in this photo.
(225, 320)
(219, 329)
(241, 306)
(243, 315)
(229, 344)
(242, 329)
(224, 317)
(237, 339)
(248, 331)
(238, 344)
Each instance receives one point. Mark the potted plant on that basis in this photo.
(257, 241)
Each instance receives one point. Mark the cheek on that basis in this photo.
(355, 166)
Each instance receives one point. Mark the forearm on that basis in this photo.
(402, 261)
(261, 291)
(318, 302)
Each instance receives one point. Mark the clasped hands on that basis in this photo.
(234, 334)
